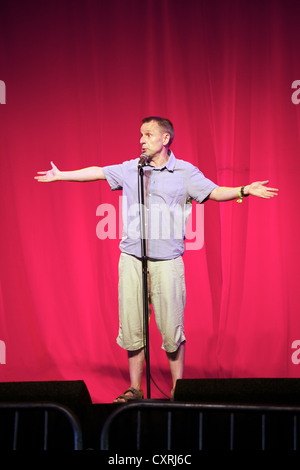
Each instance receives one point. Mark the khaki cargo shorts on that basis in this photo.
(167, 294)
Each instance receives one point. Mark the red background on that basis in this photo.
(79, 78)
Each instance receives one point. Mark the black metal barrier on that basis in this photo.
(39, 426)
(152, 426)
(194, 426)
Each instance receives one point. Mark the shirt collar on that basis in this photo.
(170, 165)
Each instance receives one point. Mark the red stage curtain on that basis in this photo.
(79, 78)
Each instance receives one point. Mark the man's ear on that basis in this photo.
(166, 139)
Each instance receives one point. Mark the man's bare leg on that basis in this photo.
(136, 361)
(176, 363)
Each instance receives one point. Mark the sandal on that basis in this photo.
(130, 395)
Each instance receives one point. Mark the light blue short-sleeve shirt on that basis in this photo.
(169, 191)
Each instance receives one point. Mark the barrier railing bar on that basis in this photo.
(295, 432)
(169, 430)
(138, 433)
(200, 430)
(263, 430)
(45, 430)
(231, 431)
(16, 427)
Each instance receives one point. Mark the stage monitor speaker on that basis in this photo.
(73, 394)
(273, 391)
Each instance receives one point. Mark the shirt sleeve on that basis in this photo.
(114, 175)
(199, 187)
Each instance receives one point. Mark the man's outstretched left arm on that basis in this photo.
(258, 189)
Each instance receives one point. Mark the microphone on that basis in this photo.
(143, 161)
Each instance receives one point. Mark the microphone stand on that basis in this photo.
(142, 163)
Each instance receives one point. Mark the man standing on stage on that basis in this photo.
(170, 183)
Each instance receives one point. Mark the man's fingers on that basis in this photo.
(40, 178)
(271, 194)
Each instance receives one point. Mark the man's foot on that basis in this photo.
(131, 394)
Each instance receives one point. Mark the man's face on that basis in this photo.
(153, 139)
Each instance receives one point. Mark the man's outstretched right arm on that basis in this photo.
(92, 173)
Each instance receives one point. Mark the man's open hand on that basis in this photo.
(259, 189)
(48, 176)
